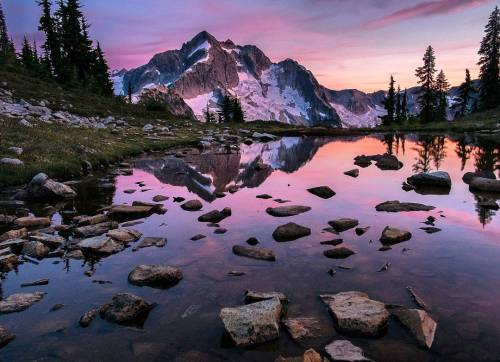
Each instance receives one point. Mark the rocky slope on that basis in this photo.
(204, 69)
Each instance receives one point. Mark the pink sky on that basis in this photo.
(346, 44)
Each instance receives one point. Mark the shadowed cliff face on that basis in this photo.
(215, 170)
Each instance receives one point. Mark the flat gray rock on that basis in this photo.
(345, 351)
(355, 313)
(150, 241)
(124, 235)
(419, 324)
(253, 296)
(254, 323)
(101, 244)
(302, 328)
(254, 252)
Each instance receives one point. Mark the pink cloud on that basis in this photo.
(425, 9)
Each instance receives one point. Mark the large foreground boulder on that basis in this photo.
(485, 184)
(254, 323)
(392, 235)
(5, 336)
(290, 231)
(126, 309)
(42, 187)
(343, 224)
(158, 276)
(355, 313)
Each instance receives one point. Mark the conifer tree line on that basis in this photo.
(432, 98)
(68, 54)
(230, 111)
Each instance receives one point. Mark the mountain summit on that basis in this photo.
(204, 69)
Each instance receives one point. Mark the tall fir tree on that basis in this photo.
(489, 62)
(404, 107)
(209, 116)
(52, 44)
(238, 114)
(442, 87)
(100, 73)
(225, 109)
(129, 92)
(389, 104)
(27, 55)
(427, 99)
(7, 52)
(398, 105)
(464, 95)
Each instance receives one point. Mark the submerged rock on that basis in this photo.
(129, 212)
(324, 192)
(419, 323)
(469, 176)
(95, 229)
(290, 210)
(254, 323)
(383, 162)
(345, 351)
(159, 276)
(397, 206)
(126, 309)
(19, 302)
(338, 253)
(198, 237)
(215, 216)
(302, 328)
(343, 224)
(254, 252)
(392, 235)
(355, 313)
(150, 241)
(5, 336)
(35, 249)
(361, 231)
(252, 296)
(264, 196)
(192, 205)
(290, 231)
(88, 317)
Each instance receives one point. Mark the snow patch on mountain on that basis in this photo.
(350, 119)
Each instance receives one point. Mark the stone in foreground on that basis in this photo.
(158, 276)
(309, 356)
(254, 323)
(124, 235)
(356, 314)
(150, 241)
(485, 184)
(290, 210)
(126, 309)
(324, 192)
(343, 224)
(392, 236)
(192, 205)
(345, 351)
(290, 231)
(254, 252)
(397, 206)
(19, 302)
(42, 187)
(101, 245)
(419, 323)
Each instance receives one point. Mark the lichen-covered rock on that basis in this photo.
(101, 244)
(302, 328)
(355, 313)
(35, 249)
(42, 187)
(253, 296)
(94, 229)
(159, 276)
(124, 235)
(254, 323)
(5, 336)
(345, 351)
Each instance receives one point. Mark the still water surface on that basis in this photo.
(456, 271)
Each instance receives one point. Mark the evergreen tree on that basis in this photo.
(442, 87)
(52, 45)
(404, 107)
(129, 92)
(238, 114)
(100, 74)
(425, 74)
(209, 116)
(27, 55)
(489, 63)
(389, 104)
(226, 109)
(7, 52)
(398, 105)
(464, 95)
